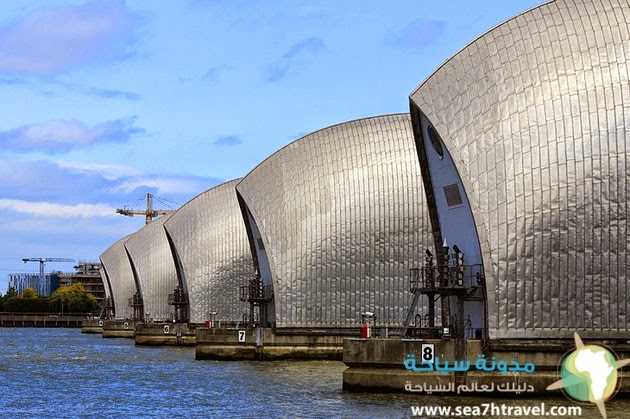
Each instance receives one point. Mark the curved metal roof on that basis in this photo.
(341, 216)
(536, 116)
(154, 268)
(119, 275)
(210, 242)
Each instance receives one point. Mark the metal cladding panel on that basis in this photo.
(155, 268)
(120, 276)
(536, 114)
(106, 282)
(342, 216)
(209, 236)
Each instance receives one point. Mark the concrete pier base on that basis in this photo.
(92, 326)
(118, 329)
(378, 365)
(267, 344)
(164, 334)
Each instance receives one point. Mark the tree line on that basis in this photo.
(66, 299)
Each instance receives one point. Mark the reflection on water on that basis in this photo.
(63, 373)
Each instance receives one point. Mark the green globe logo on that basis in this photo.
(589, 374)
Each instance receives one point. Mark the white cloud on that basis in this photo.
(54, 39)
(47, 209)
(300, 51)
(127, 179)
(70, 183)
(107, 171)
(420, 33)
(167, 185)
(63, 135)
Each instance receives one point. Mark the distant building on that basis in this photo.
(43, 286)
(89, 274)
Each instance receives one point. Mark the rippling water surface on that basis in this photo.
(63, 373)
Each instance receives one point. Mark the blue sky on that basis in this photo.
(104, 101)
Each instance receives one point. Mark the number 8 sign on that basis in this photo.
(428, 352)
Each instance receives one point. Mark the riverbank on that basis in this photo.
(41, 320)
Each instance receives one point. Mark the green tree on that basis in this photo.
(73, 299)
(29, 293)
(3, 298)
(26, 305)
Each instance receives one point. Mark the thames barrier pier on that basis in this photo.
(382, 365)
(516, 179)
(263, 344)
(234, 274)
(164, 334)
(119, 329)
(474, 243)
(94, 326)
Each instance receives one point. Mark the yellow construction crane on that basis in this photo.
(149, 213)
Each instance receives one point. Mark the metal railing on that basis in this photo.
(135, 301)
(256, 293)
(435, 277)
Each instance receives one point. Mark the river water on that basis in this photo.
(63, 373)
